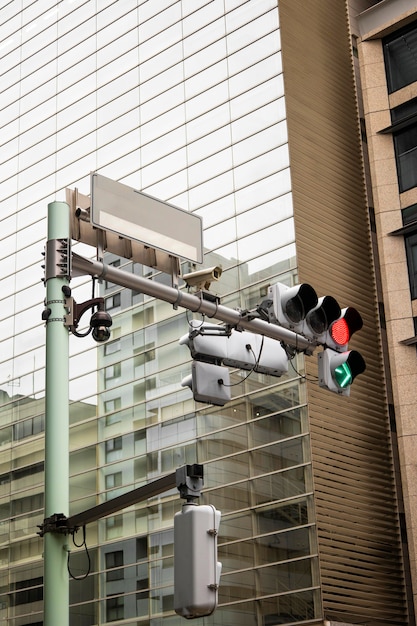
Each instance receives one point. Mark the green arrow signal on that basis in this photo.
(343, 375)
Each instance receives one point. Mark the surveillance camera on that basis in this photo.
(100, 322)
(203, 278)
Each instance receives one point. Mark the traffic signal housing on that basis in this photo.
(196, 568)
(342, 329)
(241, 349)
(320, 318)
(215, 348)
(210, 383)
(338, 370)
(290, 305)
(299, 309)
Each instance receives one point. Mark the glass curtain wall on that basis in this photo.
(185, 101)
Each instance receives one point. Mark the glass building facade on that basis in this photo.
(185, 101)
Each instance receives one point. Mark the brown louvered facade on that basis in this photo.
(356, 503)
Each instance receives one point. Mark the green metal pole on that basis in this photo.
(56, 579)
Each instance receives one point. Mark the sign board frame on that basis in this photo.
(134, 215)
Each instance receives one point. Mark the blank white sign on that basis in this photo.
(135, 215)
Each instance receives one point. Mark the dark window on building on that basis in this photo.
(115, 609)
(410, 239)
(405, 143)
(30, 503)
(29, 428)
(404, 132)
(112, 302)
(141, 548)
(112, 347)
(411, 249)
(108, 284)
(112, 371)
(400, 52)
(114, 449)
(27, 591)
(114, 560)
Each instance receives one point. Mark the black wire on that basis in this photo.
(193, 320)
(83, 543)
(88, 331)
(78, 334)
(291, 357)
(249, 347)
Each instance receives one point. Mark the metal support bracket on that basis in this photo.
(56, 523)
(58, 259)
(75, 311)
(190, 481)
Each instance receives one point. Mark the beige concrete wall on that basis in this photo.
(394, 274)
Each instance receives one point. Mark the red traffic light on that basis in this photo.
(343, 328)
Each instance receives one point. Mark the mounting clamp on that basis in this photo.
(58, 260)
(190, 480)
(56, 523)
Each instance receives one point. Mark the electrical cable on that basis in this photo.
(291, 356)
(88, 331)
(257, 359)
(83, 543)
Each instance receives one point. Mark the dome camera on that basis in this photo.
(202, 279)
(100, 322)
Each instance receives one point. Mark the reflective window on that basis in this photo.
(164, 123)
(399, 53)
(260, 119)
(164, 39)
(167, 100)
(198, 61)
(205, 18)
(208, 110)
(163, 167)
(261, 166)
(185, 101)
(253, 53)
(256, 74)
(78, 67)
(214, 142)
(165, 59)
(411, 249)
(206, 78)
(162, 145)
(211, 190)
(243, 36)
(161, 82)
(409, 216)
(264, 215)
(405, 144)
(210, 167)
(115, 68)
(123, 43)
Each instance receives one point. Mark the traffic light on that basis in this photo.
(319, 319)
(209, 383)
(342, 329)
(299, 309)
(290, 305)
(196, 568)
(338, 370)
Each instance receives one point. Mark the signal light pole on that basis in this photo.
(276, 318)
(57, 275)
